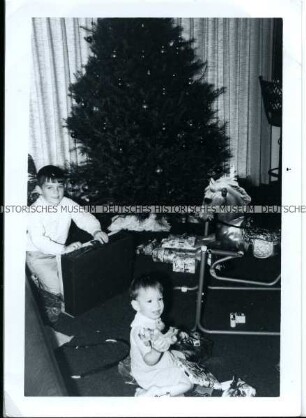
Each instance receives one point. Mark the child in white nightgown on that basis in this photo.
(153, 365)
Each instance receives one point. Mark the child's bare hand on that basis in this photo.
(171, 334)
(161, 344)
(101, 236)
(72, 247)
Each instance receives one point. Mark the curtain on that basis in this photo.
(237, 52)
(59, 51)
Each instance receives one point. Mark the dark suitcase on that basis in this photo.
(93, 274)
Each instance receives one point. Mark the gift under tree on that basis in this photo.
(144, 116)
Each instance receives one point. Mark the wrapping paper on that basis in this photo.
(133, 223)
(184, 264)
(198, 374)
(179, 242)
(237, 388)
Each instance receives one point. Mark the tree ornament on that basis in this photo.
(84, 104)
(88, 39)
(164, 91)
(73, 135)
(142, 53)
(158, 170)
(162, 51)
(148, 72)
(144, 105)
(190, 81)
(171, 43)
(119, 82)
(164, 127)
(114, 54)
(174, 75)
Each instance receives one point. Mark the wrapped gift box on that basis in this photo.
(179, 242)
(184, 264)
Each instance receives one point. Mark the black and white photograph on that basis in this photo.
(159, 209)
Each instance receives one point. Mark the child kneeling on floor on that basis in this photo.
(153, 365)
(48, 227)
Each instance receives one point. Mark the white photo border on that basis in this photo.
(17, 72)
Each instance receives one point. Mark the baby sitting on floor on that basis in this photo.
(153, 364)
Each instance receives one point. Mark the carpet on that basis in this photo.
(252, 358)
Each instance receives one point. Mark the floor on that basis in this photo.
(252, 358)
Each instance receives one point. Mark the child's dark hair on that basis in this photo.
(143, 282)
(50, 173)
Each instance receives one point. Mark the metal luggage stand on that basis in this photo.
(228, 255)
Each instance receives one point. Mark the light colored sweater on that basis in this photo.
(48, 226)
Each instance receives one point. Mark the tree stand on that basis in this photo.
(203, 287)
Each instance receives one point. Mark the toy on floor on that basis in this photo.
(237, 318)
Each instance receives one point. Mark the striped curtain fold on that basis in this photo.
(237, 52)
(59, 51)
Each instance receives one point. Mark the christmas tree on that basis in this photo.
(143, 115)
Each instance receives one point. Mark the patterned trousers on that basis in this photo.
(44, 270)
